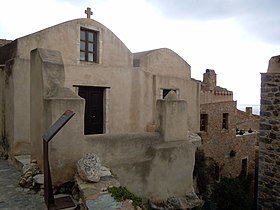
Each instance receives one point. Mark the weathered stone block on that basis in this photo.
(265, 78)
(89, 167)
(265, 126)
(274, 64)
(266, 140)
(265, 102)
(268, 108)
(272, 135)
(273, 122)
(276, 101)
(271, 85)
(274, 89)
(267, 114)
(277, 94)
(275, 113)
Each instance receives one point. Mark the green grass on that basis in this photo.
(122, 194)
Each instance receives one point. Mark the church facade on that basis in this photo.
(118, 97)
(98, 67)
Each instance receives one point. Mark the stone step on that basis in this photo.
(21, 160)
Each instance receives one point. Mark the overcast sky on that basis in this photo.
(236, 38)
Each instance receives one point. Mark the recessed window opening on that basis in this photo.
(203, 122)
(244, 166)
(164, 92)
(88, 45)
(225, 121)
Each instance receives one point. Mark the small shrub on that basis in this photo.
(122, 194)
(206, 171)
(232, 194)
(200, 171)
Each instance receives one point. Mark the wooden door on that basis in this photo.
(93, 119)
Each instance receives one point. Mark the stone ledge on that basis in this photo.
(21, 160)
(94, 195)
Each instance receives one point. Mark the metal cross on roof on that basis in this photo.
(88, 12)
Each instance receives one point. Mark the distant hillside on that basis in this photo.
(256, 107)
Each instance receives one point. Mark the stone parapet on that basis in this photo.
(173, 120)
(269, 146)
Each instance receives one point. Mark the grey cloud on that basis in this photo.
(259, 17)
(266, 29)
(75, 2)
(211, 9)
(197, 9)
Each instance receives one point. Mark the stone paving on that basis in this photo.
(12, 196)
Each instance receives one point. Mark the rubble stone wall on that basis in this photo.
(218, 142)
(269, 150)
(246, 121)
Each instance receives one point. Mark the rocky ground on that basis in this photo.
(12, 196)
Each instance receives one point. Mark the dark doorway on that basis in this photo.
(244, 166)
(93, 120)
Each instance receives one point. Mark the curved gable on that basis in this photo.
(164, 62)
(65, 37)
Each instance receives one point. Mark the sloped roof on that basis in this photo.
(139, 55)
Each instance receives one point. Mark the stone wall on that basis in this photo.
(269, 149)
(218, 142)
(210, 92)
(215, 116)
(210, 79)
(207, 96)
(2, 135)
(247, 120)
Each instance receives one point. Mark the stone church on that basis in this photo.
(137, 111)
